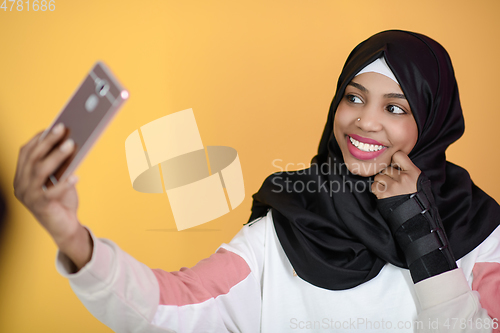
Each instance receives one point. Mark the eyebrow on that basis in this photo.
(363, 89)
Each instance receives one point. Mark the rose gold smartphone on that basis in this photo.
(86, 115)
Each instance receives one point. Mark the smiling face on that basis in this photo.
(386, 124)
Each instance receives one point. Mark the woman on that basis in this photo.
(366, 239)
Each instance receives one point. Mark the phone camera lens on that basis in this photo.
(101, 87)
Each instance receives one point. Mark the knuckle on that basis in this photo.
(44, 197)
(406, 178)
(31, 156)
(46, 194)
(40, 170)
(21, 196)
(23, 151)
(18, 192)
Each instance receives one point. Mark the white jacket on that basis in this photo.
(249, 286)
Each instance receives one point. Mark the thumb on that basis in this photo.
(61, 187)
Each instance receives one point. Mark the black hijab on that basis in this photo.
(326, 218)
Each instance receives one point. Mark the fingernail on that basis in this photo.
(72, 179)
(67, 145)
(58, 128)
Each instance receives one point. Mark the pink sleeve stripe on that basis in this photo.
(209, 278)
(487, 282)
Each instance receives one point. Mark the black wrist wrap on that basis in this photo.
(417, 228)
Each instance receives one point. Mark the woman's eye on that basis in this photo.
(395, 109)
(354, 99)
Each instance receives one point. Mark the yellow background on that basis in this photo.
(259, 75)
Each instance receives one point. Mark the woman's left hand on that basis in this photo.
(397, 179)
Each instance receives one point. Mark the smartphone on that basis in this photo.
(86, 115)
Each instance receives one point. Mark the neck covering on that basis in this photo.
(326, 217)
(379, 66)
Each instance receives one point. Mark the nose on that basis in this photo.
(370, 120)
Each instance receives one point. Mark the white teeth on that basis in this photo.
(365, 146)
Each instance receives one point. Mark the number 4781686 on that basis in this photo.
(36, 5)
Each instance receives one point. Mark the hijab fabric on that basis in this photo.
(326, 218)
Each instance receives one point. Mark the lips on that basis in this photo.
(364, 148)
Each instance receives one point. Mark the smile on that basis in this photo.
(365, 146)
(364, 150)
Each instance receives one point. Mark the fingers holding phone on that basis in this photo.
(55, 208)
(44, 180)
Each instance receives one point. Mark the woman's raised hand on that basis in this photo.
(56, 207)
(397, 179)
